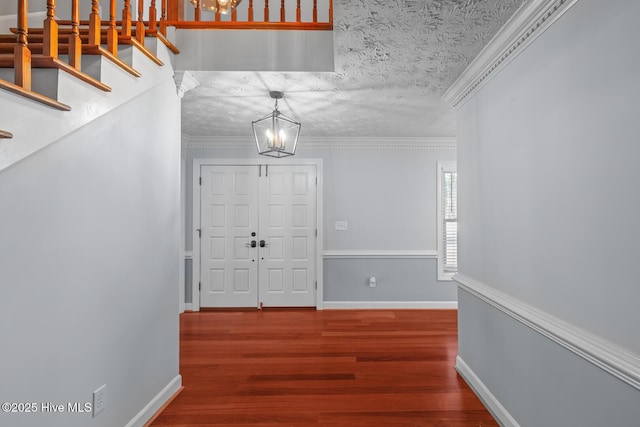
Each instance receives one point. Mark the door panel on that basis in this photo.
(229, 214)
(288, 194)
(278, 203)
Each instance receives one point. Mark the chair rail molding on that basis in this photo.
(529, 22)
(618, 362)
(379, 254)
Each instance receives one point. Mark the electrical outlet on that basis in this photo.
(99, 400)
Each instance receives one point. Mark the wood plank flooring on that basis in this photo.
(322, 368)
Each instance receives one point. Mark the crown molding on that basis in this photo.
(317, 143)
(529, 22)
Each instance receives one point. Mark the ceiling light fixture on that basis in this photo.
(276, 135)
(217, 6)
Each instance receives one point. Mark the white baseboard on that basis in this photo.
(365, 305)
(156, 403)
(188, 306)
(488, 399)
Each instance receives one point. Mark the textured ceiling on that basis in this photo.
(393, 61)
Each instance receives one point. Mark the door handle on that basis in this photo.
(263, 244)
(251, 245)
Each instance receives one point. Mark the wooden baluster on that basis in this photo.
(152, 16)
(75, 44)
(112, 32)
(250, 11)
(198, 12)
(266, 10)
(163, 18)
(217, 16)
(140, 29)
(50, 39)
(175, 10)
(298, 12)
(21, 53)
(126, 18)
(234, 15)
(94, 23)
(331, 12)
(282, 14)
(315, 10)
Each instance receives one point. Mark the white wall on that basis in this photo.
(548, 204)
(89, 266)
(386, 190)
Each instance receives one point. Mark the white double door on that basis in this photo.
(258, 236)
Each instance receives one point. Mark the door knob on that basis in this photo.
(263, 244)
(251, 245)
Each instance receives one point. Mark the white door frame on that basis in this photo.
(198, 163)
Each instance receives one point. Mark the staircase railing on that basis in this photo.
(41, 47)
(183, 14)
(27, 48)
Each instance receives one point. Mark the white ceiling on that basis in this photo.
(393, 61)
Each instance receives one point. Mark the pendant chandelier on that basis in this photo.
(216, 6)
(276, 135)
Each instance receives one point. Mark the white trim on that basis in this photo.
(185, 82)
(377, 305)
(492, 404)
(354, 143)
(188, 307)
(618, 362)
(156, 403)
(195, 265)
(379, 254)
(529, 22)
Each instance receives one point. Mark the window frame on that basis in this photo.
(442, 168)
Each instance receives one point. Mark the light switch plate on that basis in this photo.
(342, 225)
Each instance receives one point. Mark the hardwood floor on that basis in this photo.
(322, 368)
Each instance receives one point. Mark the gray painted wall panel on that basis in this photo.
(397, 280)
(538, 381)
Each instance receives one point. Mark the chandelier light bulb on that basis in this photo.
(217, 6)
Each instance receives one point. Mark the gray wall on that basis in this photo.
(539, 382)
(388, 197)
(89, 266)
(548, 207)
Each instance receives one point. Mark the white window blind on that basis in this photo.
(450, 221)
(447, 220)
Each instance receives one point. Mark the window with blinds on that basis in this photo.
(447, 220)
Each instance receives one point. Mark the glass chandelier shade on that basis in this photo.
(217, 6)
(276, 135)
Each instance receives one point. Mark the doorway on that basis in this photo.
(257, 235)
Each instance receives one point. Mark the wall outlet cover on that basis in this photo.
(99, 400)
